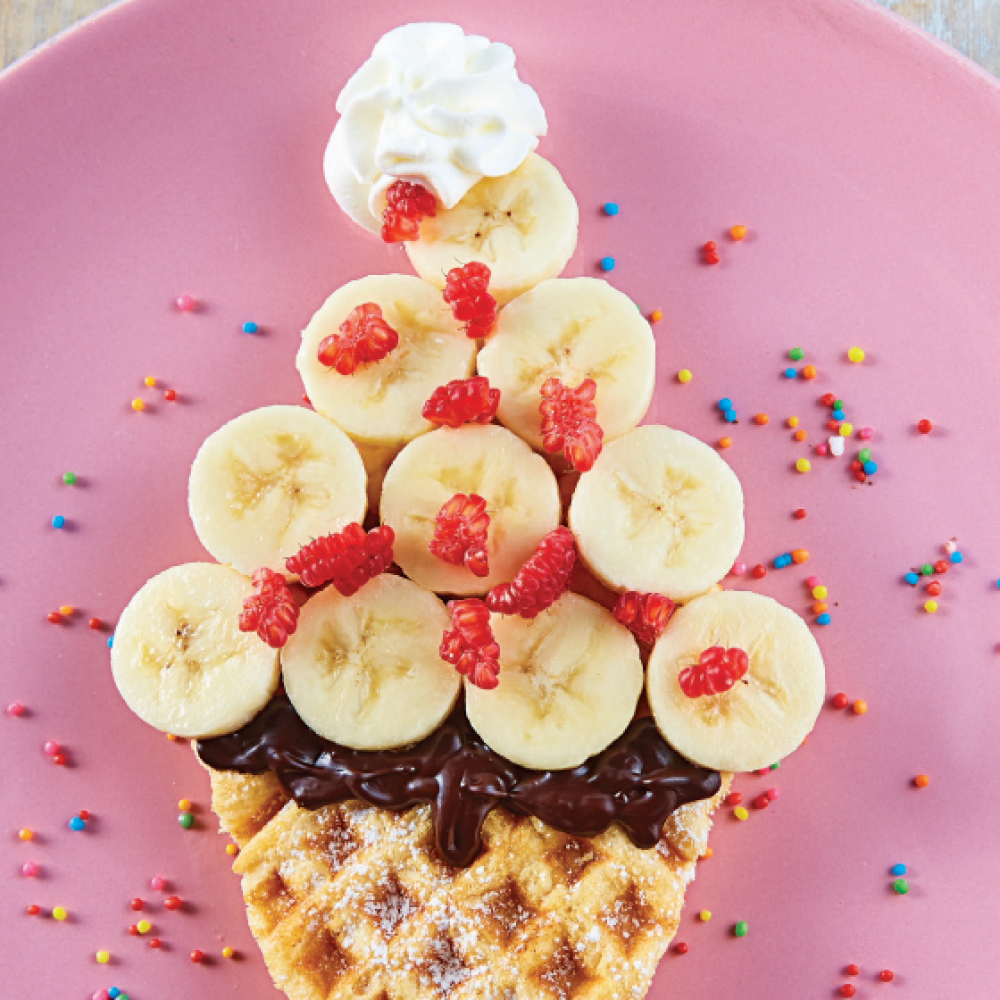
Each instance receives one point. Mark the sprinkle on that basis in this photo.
(59, 912)
(761, 801)
(157, 883)
(886, 975)
(684, 375)
(232, 850)
(734, 798)
(772, 794)
(730, 416)
(739, 568)
(33, 910)
(197, 955)
(59, 521)
(800, 556)
(930, 607)
(54, 617)
(838, 414)
(828, 399)
(762, 419)
(921, 781)
(725, 404)
(607, 263)
(790, 373)
(228, 952)
(759, 571)
(819, 592)
(803, 465)
(852, 970)
(898, 869)
(925, 427)
(823, 448)
(184, 805)
(864, 455)
(155, 943)
(69, 478)
(927, 569)
(782, 561)
(250, 327)
(711, 252)
(856, 355)
(103, 957)
(111, 642)
(137, 903)
(809, 372)
(846, 430)
(800, 435)
(738, 233)
(150, 381)
(912, 579)
(51, 748)
(941, 566)
(796, 354)
(186, 820)
(740, 930)
(934, 588)
(681, 948)
(100, 995)
(870, 468)
(96, 624)
(170, 395)
(901, 886)
(77, 824)
(847, 990)
(610, 208)
(708, 853)
(957, 557)
(26, 834)
(705, 916)
(173, 902)
(777, 764)
(799, 513)
(66, 609)
(114, 993)
(792, 422)
(655, 316)
(859, 707)
(185, 303)
(59, 760)
(138, 405)
(16, 709)
(143, 927)
(740, 813)
(726, 442)
(30, 869)
(823, 619)
(840, 701)
(820, 607)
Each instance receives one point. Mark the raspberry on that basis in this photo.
(540, 581)
(470, 644)
(462, 401)
(717, 671)
(405, 207)
(272, 612)
(466, 292)
(568, 423)
(349, 558)
(460, 533)
(646, 615)
(364, 336)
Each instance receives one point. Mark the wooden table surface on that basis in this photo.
(973, 26)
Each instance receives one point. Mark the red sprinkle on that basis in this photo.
(54, 617)
(681, 948)
(137, 903)
(799, 513)
(155, 943)
(934, 588)
(185, 303)
(33, 910)
(847, 990)
(762, 801)
(852, 970)
(887, 975)
(828, 399)
(51, 748)
(170, 395)
(158, 883)
(925, 427)
(96, 624)
(734, 798)
(173, 902)
(759, 571)
(16, 709)
(133, 929)
(84, 814)
(840, 700)
(60, 760)
(197, 955)
(773, 793)
(941, 566)
(711, 252)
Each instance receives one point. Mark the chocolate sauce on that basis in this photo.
(638, 781)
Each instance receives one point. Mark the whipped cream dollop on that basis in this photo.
(432, 106)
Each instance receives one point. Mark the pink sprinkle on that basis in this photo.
(822, 448)
(739, 569)
(772, 793)
(763, 770)
(51, 748)
(185, 303)
(15, 708)
(865, 433)
(30, 869)
(812, 581)
(157, 883)
(101, 995)
(951, 546)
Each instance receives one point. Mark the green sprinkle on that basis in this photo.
(865, 454)
(186, 820)
(740, 930)
(796, 354)
(69, 478)
(838, 404)
(774, 767)
(927, 569)
(901, 886)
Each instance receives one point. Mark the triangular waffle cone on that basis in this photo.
(352, 901)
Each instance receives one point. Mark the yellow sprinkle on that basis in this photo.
(138, 404)
(228, 952)
(792, 422)
(931, 606)
(66, 609)
(820, 592)
(143, 927)
(856, 355)
(846, 430)
(59, 913)
(26, 834)
(803, 465)
(705, 916)
(103, 957)
(232, 850)
(150, 381)
(684, 375)
(184, 805)
(740, 813)
(655, 316)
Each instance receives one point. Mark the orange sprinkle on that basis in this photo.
(708, 852)
(921, 781)
(859, 707)
(792, 422)
(26, 834)
(232, 850)
(655, 316)
(800, 555)
(738, 233)
(809, 371)
(800, 435)
(171, 737)
(725, 442)
(228, 952)
(820, 607)
(66, 610)
(761, 418)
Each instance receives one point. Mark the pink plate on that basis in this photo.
(172, 146)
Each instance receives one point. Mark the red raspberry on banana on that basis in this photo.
(364, 337)
(466, 292)
(349, 558)
(717, 670)
(272, 612)
(460, 533)
(470, 644)
(462, 401)
(568, 423)
(645, 615)
(540, 581)
(406, 206)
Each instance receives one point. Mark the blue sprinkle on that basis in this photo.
(912, 579)
(114, 993)
(111, 641)
(838, 414)
(870, 468)
(607, 263)
(790, 373)
(730, 416)
(58, 521)
(782, 561)
(77, 824)
(725, 404)
(823, 619)
(957, 557)
(610, 208)
(250, 327)
(899, 869)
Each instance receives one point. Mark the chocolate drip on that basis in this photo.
(638, 781)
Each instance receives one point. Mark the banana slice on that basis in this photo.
(570, 681)
(380, 403)
(523, 226)
(659, 512)
(180, 660)
(364, 671)
(522, 500)
(271, 481)
(762, 717)
(571, 329)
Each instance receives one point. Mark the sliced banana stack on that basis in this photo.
(364, 671)
(522, 500)
(271, 481)
(523, 226)
(180, 660)
(380, 403)
(571, 329)
(766, 714)
(660, 512)
(570, 680)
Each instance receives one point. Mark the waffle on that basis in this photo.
(353, 901)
